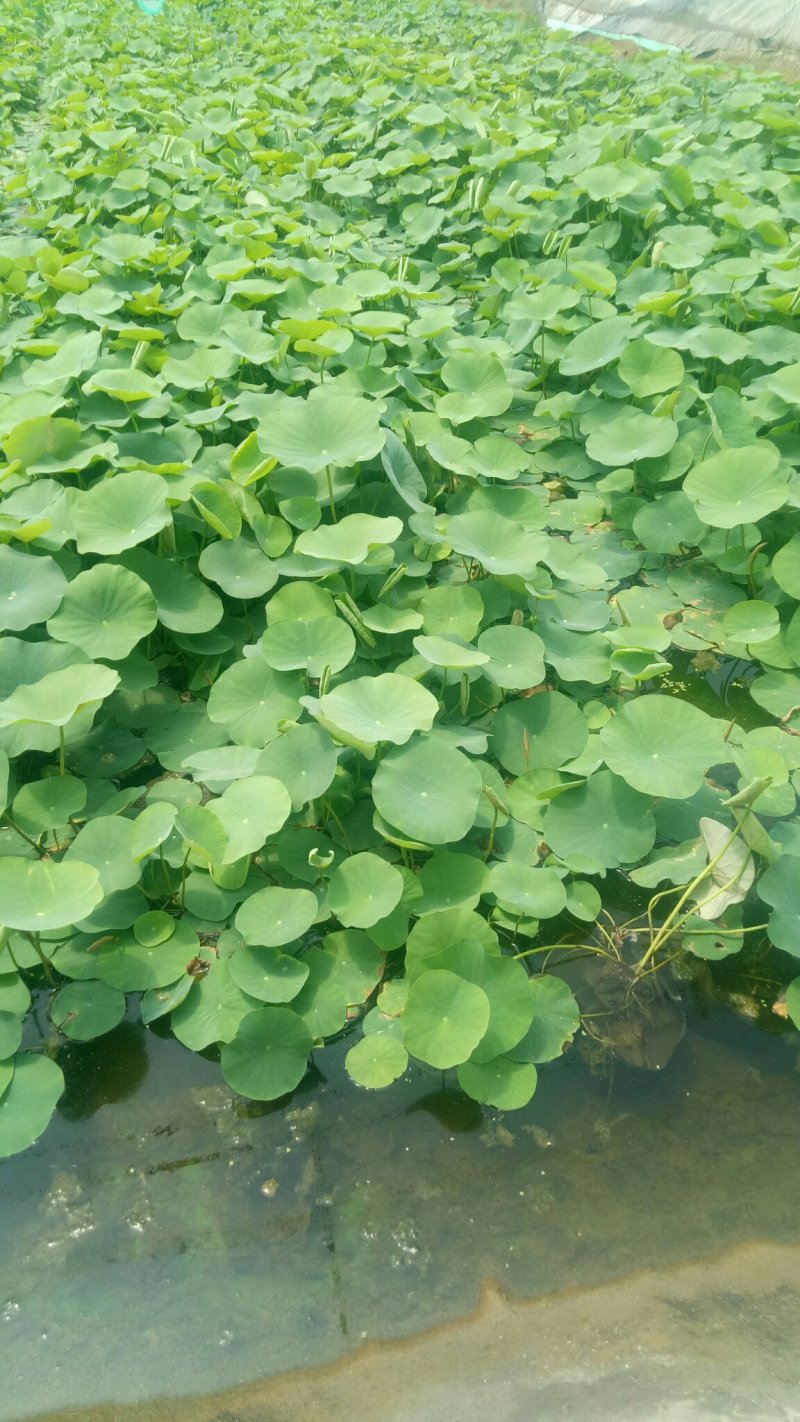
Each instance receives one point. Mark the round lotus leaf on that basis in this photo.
(118, 513)
(778, 692)
(534, 892)
(388, 707)
(87, 1009)
(349, 540)
(438, 931)
(269, 1054)
(452, 610)
(31, 589)
(583, 900)
(792, 999)
(14, 995)
(516, 657)
(106, 843)
(59, 696)
(363, 890)
(10, 1038)
(596, 346)
(184, 602)
(444, 1019)
(477, 386)
(738, 485)
(213, 1008)
(105, 611)
(317, 433)
(250, 699)
(39, 894)
(357, 964)
(751, 621)
(429, 791)
(376, 1061)
(299, 601)
(153, 928)
(313, 645)
(42, 805)
(321, 1002)
(649, 370)
(29, 1101)
(268, 974)
(786, 567)
(556, 1019)
(239, 567)
(303, 759)
(250, 810)
(450, 881)
(601, 824)
(124, 384)
(663, 746)
(779, 887)
(504, 982)
(449, 652)
(539, 732)
(506, 1084)
(202, 832)
(135, 967)
(631, 437)
(667, 523)
(275, 916)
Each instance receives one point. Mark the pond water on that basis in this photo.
(165, 1248)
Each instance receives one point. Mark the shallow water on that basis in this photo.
(163, 1240)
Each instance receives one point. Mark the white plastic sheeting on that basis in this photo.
(746, 28)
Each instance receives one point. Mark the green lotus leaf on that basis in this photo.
(31, 589)
(106, 843)
(39, 894)
(105, 611)
(10, 1038)
(304, 759)
(450, 652)
(536, 893)
(786, 567)
(363, 890)
(477, 387)
(452, 610)
(649, 370)
(85, 1010)
(375, 1061)
(450, 881)
(356, 964)
(516, 657)
(319, 433)
(153, 928)
(667, 523)
(792, 999)
(203, 833)
(387, 707)
(203, 367)
(503, 1083)
(267, 974)
(505, 983)
(272, 917)
(213, 1008)
(218, 508)
(349, 540)
(250, 810)
(184, 603)
(631, 437)
(136, 967)
(429, 791)
(43, 805)
(269, 1054)
(42, 443)
(601, 824)
(662, 746)
(737, 485)
(556, 1019)
(538, 733)
(250, 699)
(596, 346)
(29, 1101)
(496, 543)
(777, 691)
(444, 1019)
(239, 567)
(59, 696)
(779, 887)
(313, 645)
(118, 513)
(321, 1002)
(751, 621)
(124, 384)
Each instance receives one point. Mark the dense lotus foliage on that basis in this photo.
(398, 496)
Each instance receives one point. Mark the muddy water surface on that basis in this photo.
(628, 1247)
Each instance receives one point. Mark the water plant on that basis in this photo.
(399, 534)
